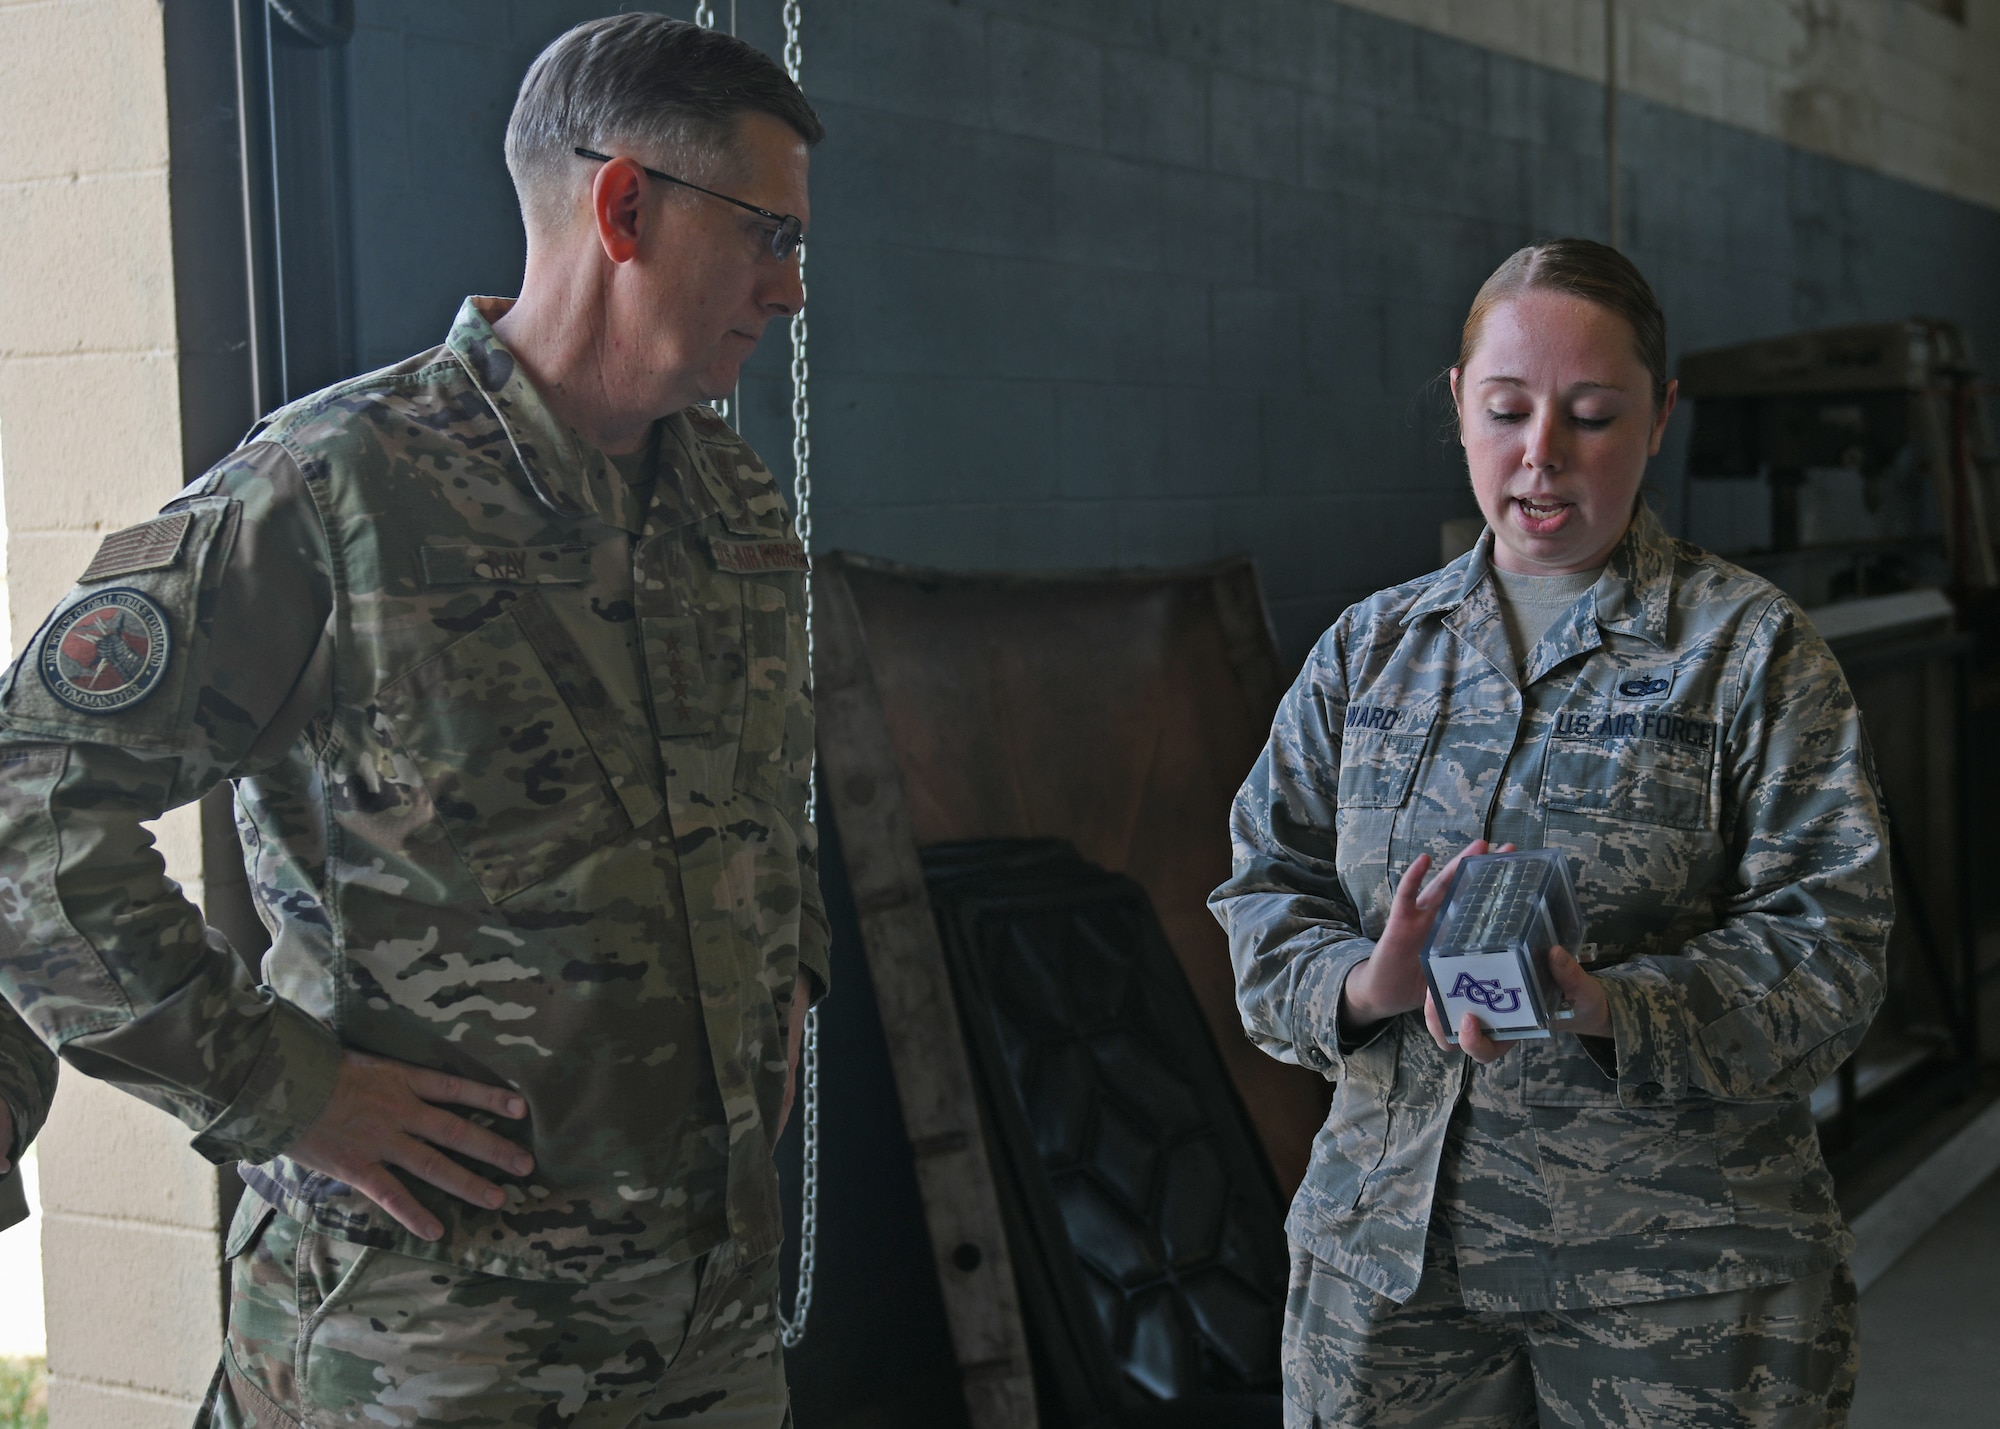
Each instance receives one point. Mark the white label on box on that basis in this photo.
(1487, 985)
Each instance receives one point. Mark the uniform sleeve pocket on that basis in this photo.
(111, 664)
(1376, 769)
(510, 774)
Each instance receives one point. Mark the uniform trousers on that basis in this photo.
(1773, 1357)
(325, 1332)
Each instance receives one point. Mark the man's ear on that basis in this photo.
(614, 208)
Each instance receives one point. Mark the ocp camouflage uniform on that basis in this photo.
(520, 755)
(1684, 735)
(27, 1085)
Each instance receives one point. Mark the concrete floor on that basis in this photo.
(1930, 1323)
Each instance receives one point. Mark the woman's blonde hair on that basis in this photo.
(1583, 269)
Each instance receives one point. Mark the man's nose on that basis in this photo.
(784, 291)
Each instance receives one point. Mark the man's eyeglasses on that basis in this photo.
(785, 237)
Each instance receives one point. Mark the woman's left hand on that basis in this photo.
(1585, 995)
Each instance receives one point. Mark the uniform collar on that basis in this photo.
(1455, 584)
(1632, 596)
(1636, 591)
(571, 476)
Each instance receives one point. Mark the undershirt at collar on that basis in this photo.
(639, 467)
(1529, 605)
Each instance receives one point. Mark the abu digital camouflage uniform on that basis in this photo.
(1686, 737)
(520, 763)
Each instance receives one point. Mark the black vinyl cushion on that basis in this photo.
(1146, 1226)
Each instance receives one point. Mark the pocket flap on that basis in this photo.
(1376, 769)
(252, 1214)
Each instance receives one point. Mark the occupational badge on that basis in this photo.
(107, 652)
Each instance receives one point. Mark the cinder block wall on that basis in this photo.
(1134, 282)
(1095, 282)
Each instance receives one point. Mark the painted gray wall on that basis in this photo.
(1139, 282)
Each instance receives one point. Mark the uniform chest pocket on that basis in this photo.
(512, 777)
(1637, 775)
(1376, 770)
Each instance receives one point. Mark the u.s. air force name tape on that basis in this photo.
(107, 652)
(747, 558)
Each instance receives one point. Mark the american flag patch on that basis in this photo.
(150, 546)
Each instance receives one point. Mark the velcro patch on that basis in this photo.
(150, 546)
(523, 565)
(1646, 684)
(107, 652)
(749, 558)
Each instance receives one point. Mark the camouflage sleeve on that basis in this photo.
(1294, 935)
(100, 951)
(27, 1080)
(27, 1086)
(1773, 1000)
(814, 934)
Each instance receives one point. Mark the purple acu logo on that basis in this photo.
(1488, 993)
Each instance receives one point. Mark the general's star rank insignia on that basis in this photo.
(107, 652)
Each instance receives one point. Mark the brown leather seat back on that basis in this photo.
(1117, 711)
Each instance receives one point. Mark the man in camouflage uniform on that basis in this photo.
(1654, 1203)
(502, 649)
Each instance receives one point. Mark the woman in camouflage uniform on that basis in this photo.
(1630, 1222)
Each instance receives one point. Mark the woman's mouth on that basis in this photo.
(1541, 518)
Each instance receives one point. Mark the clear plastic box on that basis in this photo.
(1488, 952)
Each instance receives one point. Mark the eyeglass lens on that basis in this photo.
(785, 238)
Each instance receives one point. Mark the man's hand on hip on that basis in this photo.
(381, 1114)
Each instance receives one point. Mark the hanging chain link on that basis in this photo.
(792, 1330)
(704, 16)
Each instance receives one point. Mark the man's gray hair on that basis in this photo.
(661, 90)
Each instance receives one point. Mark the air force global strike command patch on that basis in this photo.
(107, 652)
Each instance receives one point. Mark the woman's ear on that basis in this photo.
(1458, 405)
(1660, 421)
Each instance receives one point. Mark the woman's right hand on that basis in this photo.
(1391, 979)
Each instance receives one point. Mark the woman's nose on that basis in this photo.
(1542, 450)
